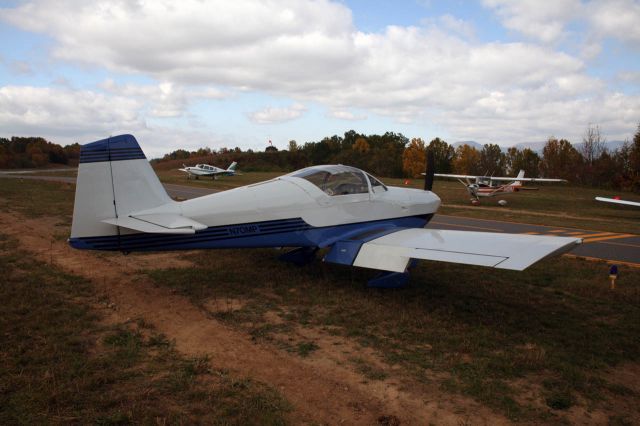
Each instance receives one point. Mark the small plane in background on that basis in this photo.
(120, 205)
(207, 170)
(617, 200)
(490, 186)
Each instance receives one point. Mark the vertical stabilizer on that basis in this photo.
(114, 179)
(520, 176)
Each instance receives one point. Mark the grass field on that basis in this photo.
(547, 345)
(61, 364)
(552, 332)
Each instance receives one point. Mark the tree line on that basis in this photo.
(393, 155)
(34, 152)
(388, 155)
(589, 163)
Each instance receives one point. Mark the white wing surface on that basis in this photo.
(613, 200)
(454, 176)
(392, 252)
(524, 179)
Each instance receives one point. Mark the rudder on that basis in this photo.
(114, 179)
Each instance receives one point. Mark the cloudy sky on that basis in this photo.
(241, 72)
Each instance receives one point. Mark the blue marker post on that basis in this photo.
(613, 274)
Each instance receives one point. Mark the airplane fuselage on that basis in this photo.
(284, 212)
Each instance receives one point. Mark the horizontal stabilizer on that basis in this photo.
(392, 252)
(158, 223)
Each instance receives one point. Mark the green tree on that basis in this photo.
(526, 159)
(634, 161)
(560, 160)
(492, 160)
(443, 155)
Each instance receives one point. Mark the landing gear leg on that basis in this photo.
(300, 256)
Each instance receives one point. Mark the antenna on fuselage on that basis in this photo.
(429, 171)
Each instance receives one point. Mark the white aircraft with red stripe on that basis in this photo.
(490, 186)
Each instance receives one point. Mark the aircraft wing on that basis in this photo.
(523, 179)
(613, 200)
(394, 250)
(454, 176)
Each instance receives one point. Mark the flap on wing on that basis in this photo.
(158, 223)
(392, 252)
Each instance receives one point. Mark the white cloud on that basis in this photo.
(540, 20)
(66, 116)
(616, 18)
(346, 115)
(272, 115)
(458, 26)
(165, 99)
(630, 77)
(311, 52)
(57, 111)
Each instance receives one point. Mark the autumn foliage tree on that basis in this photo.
(467, 160)
(414, 157)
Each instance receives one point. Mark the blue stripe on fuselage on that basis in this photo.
(275, 233)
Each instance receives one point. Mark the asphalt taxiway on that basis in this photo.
(622, 248)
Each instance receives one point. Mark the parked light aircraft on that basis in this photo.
(207, 170)
(490, 186)
(618, 201)
(120, 205)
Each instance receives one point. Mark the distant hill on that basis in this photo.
(472, 144)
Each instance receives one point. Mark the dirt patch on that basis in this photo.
(323, 388)
(224, 304)
(627, 375)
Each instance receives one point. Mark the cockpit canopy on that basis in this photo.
(339, 180)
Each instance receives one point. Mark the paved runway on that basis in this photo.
(610, 246)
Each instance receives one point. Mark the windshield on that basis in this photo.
(336, 180)
(375, 183)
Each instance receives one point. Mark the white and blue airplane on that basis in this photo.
(207, 170)
(120, 205)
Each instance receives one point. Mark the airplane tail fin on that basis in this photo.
(520, 176)
(232, 167)
(114, 179)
